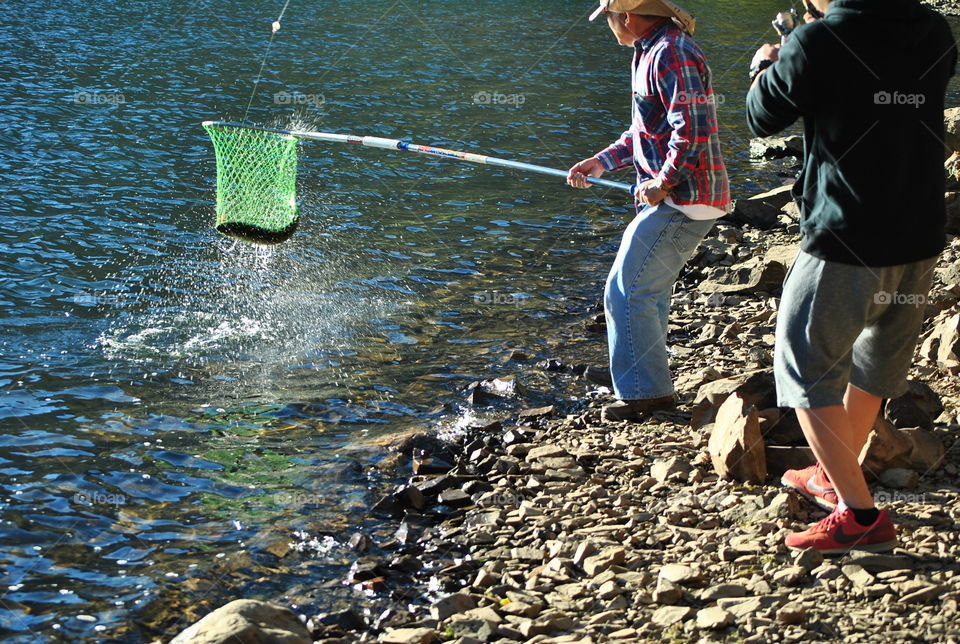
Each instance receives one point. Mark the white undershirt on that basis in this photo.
(698, 211)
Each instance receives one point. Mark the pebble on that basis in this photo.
(670, 615)
(408, 636)
(680, 574)
(713, 618)
(858, 575)
(792, 613)
(722, 591)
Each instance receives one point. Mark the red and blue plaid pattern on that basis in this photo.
(674, 136)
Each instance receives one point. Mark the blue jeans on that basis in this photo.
(655, 246)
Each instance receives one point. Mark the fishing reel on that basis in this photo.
(787, 21)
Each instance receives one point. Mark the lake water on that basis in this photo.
(175, 404)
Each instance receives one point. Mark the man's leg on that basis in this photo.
(830, 433)
(862, 410)
(823, 311)
(812, 341)
(655, 246)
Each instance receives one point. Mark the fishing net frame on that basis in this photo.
(256, 182)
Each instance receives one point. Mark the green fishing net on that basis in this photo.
(256, 182)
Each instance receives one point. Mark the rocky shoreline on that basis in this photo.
(946, 7)
(552, 525)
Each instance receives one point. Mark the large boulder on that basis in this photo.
(762, 210)
(780, 459)
(755, 387)
(247, 621)
(784, 254)
(942, 346)
(776, 147)
(951, 123)
(889, 448)
(778, 197)
(752, 276)
(758, 214)
(736, 446)
(886, 447)
(919, 407)
(926, 450)
(952, 200)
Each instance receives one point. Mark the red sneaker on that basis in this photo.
(839, 532)
(812, 482)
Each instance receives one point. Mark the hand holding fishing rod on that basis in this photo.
(785, 23)
(582, 175)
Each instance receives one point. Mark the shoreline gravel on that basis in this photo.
(564, 528)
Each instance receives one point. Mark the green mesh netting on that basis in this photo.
(256, 183)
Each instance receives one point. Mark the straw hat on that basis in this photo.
(664, 8)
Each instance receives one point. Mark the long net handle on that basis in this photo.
(397, 144)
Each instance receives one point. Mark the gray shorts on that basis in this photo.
(840, 324)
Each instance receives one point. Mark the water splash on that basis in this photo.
(242, 303)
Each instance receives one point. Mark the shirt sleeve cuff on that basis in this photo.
(668, 180)
(607, 159)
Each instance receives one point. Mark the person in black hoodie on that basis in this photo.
(869, 81)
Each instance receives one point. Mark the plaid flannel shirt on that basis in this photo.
(674, 136)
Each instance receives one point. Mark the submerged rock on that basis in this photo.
(247, 620)
(776, 147)
(347, 620)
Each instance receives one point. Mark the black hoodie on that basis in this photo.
(869, 81)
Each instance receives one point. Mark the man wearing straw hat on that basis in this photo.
(682, 187)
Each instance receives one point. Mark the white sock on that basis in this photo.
(842, 507)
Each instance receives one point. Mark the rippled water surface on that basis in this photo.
(177, 407)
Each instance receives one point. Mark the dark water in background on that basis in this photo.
(171, 398)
